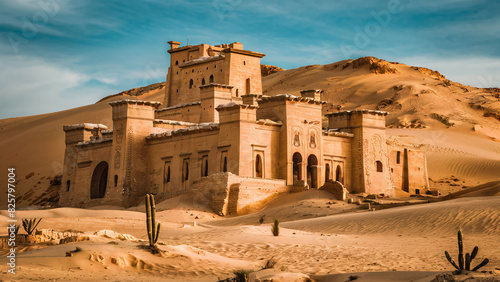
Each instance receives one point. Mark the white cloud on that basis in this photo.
(31, 85)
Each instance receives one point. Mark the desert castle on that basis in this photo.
(218, 137)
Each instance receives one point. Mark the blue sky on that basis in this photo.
(60, 54)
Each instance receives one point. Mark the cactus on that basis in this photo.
(276, 228)
(153, 228)
(464, 263)
(30, 225)
(460, 250)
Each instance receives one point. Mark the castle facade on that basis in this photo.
(218, 137)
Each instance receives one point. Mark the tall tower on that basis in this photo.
(132, 122)
(194, 66)
(370, 156)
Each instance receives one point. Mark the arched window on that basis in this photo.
(190, 83)
(203, 82)
(99, 181)
(68, 184)
(379, 166)
(116, 180)
(297, 166)
(338, 174)
(258, 166)
(211, 79)
(327, 172)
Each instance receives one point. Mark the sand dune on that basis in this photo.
(478, 216)
(408, 242)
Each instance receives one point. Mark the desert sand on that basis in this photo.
(456, 125)
(407, 243)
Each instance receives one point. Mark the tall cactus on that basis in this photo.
(464, 263)
(153, 228)
(460, 250)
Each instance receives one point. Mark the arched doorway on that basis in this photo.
(312, 171)
(99, 181)
(297, 167)
(338, 174)
(258, 166)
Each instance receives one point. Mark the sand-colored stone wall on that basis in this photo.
(337, 155)
(187, 113)
(227, 193)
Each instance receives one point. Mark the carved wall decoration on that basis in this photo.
(296, 138)
(119, 136)
(312, 139)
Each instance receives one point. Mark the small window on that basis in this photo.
(203, 82)
(183, 61)
(167, 178)
(116, 180)
(68, 184)
(176, 63)
(211, 79)
(379, 166)
(398, 157)
(237, 93)
(244, 63)
(204, 166)
(185, 170)
(192, 70)
(215, 66)
(177, 90)
(190, 84)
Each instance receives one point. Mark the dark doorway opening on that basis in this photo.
(312, 171)
(99, 181)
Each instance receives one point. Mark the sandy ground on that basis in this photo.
(456, 125)
(407, 243)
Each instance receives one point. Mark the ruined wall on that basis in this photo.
(226, 193)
